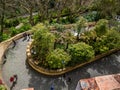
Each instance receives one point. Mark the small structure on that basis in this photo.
(28, 89)
(108, 82)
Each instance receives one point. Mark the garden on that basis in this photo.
(61, 48)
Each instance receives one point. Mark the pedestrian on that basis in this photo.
(52, 87)
(64, 76)
(28, 36)
(4, 60)
(13, 80)
(1, 82)
(69, 80)
(14, 43)
(15, 77)
(4, 56)
(25, 36)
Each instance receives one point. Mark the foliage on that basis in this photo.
(114, 24)
(101, 27)
(80, 53)
(59, 27)
(11, 22)
(58, 59)
(113, 39)
(2, 87)
(88, 37)
(92, 16)
(14, 31)
(106, 8)
(79, 25)
(100, 45)
(6, 36)
(36, 19)
(43, 42)
(24, 28)
(108, 41)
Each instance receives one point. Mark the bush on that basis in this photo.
(92, 16)
(2, 87)
(13, 31)
(11, 23)
(101, 27)
(36, 19)
(59, 27)
(80, 52)
(24, 28)
(6, 36)
(110, 40)
(58, 59)
(113, 39)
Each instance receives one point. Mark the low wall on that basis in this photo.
(62, 71)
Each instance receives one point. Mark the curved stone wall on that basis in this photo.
(61, 71)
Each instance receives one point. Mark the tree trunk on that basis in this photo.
(2, 24)
(2, 19)
(31, 17)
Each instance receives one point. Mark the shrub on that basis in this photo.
(59, 27)
(110, 40)
(13, 31)
(58, 59)
(24, 28)
(11, 22)
(6, 36)
(101, 27)
(92, 16)
(113, 39)
(80, 52)
(2, 87)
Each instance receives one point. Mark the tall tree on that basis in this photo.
(107, 8)
(7, 9)
(28, 6)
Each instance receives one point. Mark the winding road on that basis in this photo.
(27, 77)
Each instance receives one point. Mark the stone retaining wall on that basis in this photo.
(62, 71)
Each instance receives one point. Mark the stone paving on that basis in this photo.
(28, 78)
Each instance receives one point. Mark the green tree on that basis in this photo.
(43, 42)
(58, 59)
(106, 8)
(80, 52)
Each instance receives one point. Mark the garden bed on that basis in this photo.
(51, 72)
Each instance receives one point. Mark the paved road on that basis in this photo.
(27, 77)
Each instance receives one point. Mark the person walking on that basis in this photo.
(14, 43)
(52, 87)
(69, 80)
(25, 36)
(13, 80)
(28, 37)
